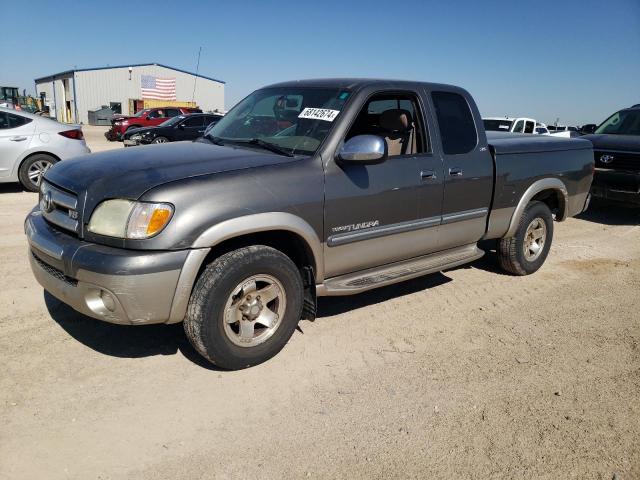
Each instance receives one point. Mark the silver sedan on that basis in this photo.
(30, 144)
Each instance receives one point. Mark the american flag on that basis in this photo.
(158, 88)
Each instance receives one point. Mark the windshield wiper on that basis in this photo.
(214, 140)
(267, 146)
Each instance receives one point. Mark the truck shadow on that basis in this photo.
(123, 341)
(609, 213)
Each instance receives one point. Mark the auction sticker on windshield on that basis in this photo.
(319, 114)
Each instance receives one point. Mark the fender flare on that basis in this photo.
(536, 187)
(236, 227)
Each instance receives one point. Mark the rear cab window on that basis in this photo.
(455, 121)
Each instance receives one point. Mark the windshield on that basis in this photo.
(141, 112)
(497, 125)
(625, 122)
(294, 119)
(172, 121)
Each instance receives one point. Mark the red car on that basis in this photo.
(149, 117)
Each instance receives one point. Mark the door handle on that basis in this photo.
(427, 174)
(17, 139)
(455, 171)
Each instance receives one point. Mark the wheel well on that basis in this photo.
(289, 243)
(554, 199)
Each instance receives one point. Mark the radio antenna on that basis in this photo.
(196, 77)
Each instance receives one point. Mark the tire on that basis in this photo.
(160, 140)
(33, 168)
(229, 284)
(518, 254)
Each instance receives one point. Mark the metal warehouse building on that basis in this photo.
(70, 95)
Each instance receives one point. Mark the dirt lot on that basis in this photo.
(465, 374)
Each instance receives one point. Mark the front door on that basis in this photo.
(468, 171)
(380, 213)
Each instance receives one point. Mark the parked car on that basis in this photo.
(507, 124)
(304, 189)
(149, 117)
(616, 145)
(182, 127)
(30, 144)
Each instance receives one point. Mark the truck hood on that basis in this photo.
(624, 143)
(130, 172)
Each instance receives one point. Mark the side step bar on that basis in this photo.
(397, 272)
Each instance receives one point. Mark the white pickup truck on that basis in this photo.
(511, 125)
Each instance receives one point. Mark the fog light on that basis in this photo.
(108, 301)
(100, 301)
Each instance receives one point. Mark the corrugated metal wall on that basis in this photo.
(95, 88)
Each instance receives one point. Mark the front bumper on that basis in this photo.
(130, 287)
(616, 185)
(129, 143)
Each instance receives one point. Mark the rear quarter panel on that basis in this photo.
(522, 160)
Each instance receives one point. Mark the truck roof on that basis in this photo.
(359, 83)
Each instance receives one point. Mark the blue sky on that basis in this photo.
(576, 60)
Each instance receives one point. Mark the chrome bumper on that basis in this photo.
(110, 284)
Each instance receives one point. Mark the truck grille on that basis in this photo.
(617, 160)
(59, 207)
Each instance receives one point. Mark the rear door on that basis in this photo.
(16, 133)
(468, 170)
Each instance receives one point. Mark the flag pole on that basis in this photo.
(196, 77)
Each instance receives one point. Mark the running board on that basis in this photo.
(397, 272)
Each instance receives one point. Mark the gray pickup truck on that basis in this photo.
(304, 189)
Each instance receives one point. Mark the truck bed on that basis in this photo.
(521, 159)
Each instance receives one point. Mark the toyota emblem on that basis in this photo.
(606, 159)
(45, 202)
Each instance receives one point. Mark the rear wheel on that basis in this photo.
(33, 168)
(244, 307)
(526, 251)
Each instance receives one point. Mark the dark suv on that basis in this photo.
(182, 127)
(149, 117)
(616, 146)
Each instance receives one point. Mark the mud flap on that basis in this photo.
(310, 302)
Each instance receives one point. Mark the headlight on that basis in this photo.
(137, 136)
(127, 219)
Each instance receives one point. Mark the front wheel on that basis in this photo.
(244, 307)
(526, 251)
(160, 140)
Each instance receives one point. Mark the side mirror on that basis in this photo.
(588, 128)
(181, 126)
(363, 149)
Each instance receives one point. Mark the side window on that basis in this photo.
(457, 128)
(396, 118)
(153, 114)
(172, 112)
(9, 120)
(529, 127)
(519, 127)
(194, 122)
